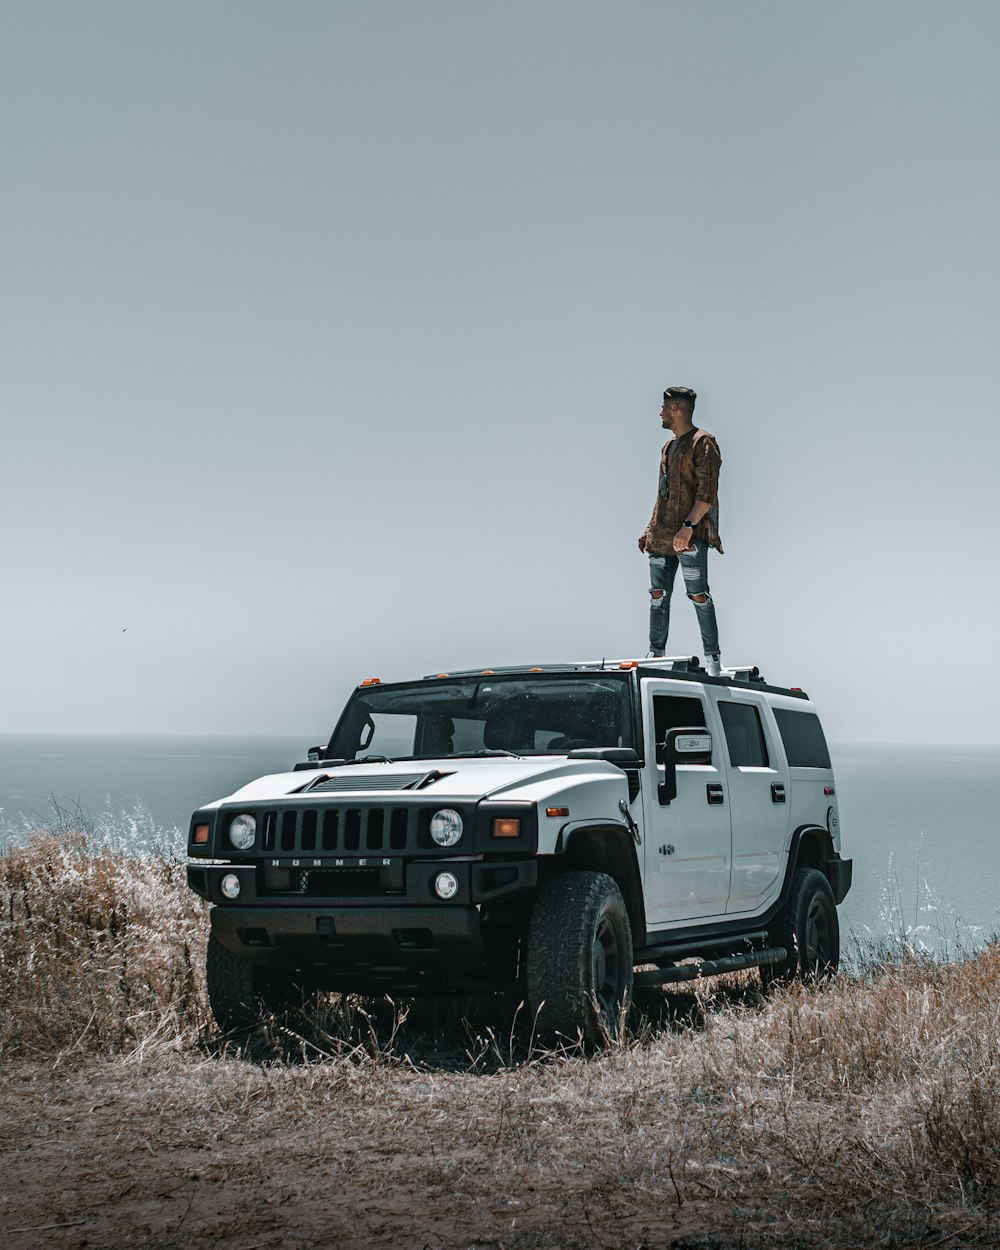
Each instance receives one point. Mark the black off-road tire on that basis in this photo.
(809, 929)
(579, 958)
(241, 995)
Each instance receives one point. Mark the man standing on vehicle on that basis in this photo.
(684, 524)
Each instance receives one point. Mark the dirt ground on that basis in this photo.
(862, 1112)
(192, 1151)
(107, 1158)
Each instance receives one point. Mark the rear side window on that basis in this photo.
(744, 735)
(803, 737)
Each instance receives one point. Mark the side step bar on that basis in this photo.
(711, 967)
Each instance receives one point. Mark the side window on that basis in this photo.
(744, 735)
(803, 737)
(671, 711)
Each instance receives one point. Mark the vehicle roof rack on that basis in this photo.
(687, 667)
(672, 663)
(746, 672)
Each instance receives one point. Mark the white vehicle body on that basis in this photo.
(342, 883)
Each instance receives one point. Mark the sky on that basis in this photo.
(334, 337)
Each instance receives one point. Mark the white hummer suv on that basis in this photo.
(544, 829)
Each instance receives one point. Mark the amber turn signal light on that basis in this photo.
(506, 827)
(200, 835)
(557, 811)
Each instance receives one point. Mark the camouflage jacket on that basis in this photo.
(689, 470)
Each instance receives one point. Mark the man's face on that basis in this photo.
(668, 415)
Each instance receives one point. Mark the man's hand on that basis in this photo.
(642, 542)
(682, 539)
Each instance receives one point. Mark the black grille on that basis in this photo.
(633, 783)
(295, 830)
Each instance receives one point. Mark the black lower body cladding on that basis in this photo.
(839, 873)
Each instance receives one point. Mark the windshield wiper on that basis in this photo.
(480, 755)
(368, 759)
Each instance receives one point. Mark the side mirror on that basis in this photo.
(317, 758)
(681, 746)
(686, 746)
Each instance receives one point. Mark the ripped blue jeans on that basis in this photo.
(694, 569)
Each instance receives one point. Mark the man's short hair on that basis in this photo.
(682, 395)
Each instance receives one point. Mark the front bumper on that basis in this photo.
(403, 950)
(401, 938)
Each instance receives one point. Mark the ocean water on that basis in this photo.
(157, 782)
(922, 823)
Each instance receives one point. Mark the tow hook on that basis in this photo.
(633, 828)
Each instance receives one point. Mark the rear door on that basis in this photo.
(758, 794)
(687, 843)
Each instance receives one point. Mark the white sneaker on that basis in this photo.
(654, 655)
(713, 665)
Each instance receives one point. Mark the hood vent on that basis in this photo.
(376, 781)
(367, 781)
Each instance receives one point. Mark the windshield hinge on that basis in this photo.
(633, 828)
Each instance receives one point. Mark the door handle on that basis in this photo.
(715, 794)
(777, 793)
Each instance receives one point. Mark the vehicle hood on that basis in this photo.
(467, 780)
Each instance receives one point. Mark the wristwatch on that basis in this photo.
(688, 524)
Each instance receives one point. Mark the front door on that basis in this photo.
(688, 843)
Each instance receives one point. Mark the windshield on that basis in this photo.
(524, 715)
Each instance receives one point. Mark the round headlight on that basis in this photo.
(230, 885)
(446, 827)
(446, 885)
(243, 832)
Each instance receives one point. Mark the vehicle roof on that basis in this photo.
(684, 668)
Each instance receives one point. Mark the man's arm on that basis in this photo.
(682, 539)
(706, 463)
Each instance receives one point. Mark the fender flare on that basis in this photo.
(801, 854)
(607, 846)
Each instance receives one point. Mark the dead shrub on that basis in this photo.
(98, 949)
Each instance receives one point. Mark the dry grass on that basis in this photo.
(98, 951)
(863, 1113)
